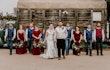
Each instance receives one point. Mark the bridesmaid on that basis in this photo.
(76, 37)
(21, 48)
(36, 37)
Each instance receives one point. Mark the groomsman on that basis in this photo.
(29, 38)
(68, 38)
(99, 37)
(88, 33)
(61, 35)
(10, 35)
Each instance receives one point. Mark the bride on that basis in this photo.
(51, 48)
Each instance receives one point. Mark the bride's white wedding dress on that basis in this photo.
(51, 47)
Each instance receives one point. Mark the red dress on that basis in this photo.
(36, 33)
(36, 50)
(77, 38)
(21, 50)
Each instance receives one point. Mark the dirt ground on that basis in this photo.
(72, 62)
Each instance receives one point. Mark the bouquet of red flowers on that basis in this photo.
(76, 46)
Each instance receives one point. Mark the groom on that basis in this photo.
(60, 37)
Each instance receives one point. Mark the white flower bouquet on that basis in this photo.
(20, 44)
(75, 47)
(35, 45)
(43, 43)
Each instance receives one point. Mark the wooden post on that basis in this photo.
(104, 23)
(60, 15)
(43, 14)
(92, 18)
(30, 15)
(18, 17)
(76, 17)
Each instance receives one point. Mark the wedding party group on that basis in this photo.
(57, 41)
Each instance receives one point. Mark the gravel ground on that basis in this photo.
(72, 62)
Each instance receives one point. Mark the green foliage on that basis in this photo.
(9, 17)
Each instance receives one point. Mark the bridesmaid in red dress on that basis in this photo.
(76, 37)
(21, 48)
(36, 37)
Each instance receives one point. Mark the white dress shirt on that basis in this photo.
(94, 35)
(26, 35)
(61, 32)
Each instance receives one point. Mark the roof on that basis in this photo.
(55, 4)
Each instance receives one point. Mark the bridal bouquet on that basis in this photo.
(75, 47)
(43, 43)
(20, 44)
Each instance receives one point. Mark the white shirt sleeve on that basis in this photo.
(26, 35)
(14, 34)
(84, 34)
(55, 34)
(72, 33)
(66, 33)
(6, 33)
(103, 35)
(94, 35)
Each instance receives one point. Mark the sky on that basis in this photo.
(7, 6)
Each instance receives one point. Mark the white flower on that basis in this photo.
(20, 44)
(35, 45)
(75, 47)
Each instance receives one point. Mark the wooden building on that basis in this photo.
(75, 12)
